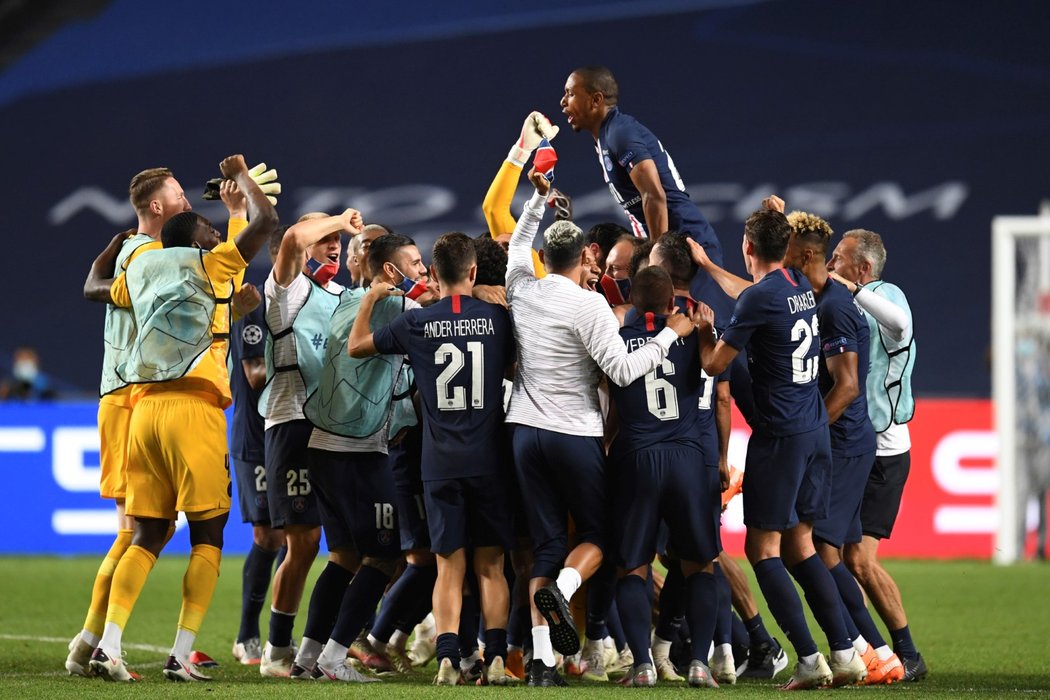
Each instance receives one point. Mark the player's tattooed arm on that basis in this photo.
(100, 276)
(730, 283)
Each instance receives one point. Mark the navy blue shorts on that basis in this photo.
(672, 485)
(787, 480)
(358, 495)
(251, 492)
(560, 475)
(882, 495)
(405, 458)
(473, 511)
(849, 476)
(288, 488)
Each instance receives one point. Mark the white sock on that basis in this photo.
(661, 648)
(569, 581)
(724, 651)
(541, 645)
(884, 652)
(842, 656)
(183, 644)
(377, 645)
(89, 639)
(609, 643)
(333, 654)
(810, 660)
(398, 640)
(860, 644)
(110, 642)
(309, 650)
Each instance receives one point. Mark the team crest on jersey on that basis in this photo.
(608, 162)
(385, 537)
(299, 504)
(252, 334)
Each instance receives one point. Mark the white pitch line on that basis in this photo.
(62, 640)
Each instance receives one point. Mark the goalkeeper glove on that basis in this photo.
(267, 181)
(536, 128)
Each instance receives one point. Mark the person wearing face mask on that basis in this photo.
(300, 298)
(27, 382)
(348, 457)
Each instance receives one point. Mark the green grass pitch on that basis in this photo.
(982, 629)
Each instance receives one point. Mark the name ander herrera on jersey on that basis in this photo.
(459, 327)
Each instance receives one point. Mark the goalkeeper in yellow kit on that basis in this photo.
(177, 451)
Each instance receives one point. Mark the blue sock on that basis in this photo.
(421, 598)
(636, 616)
(740, 636)
(468, 625)
(281, 629)
(612, 621)
(903, 646)
(359, 603)
(756, 631)
(853, 599)
(495, 645)
(601, 591)
(672, 603)
(724, 621)
(824, 600)
(701, 606)
(448, 648)
(402, 596)
(784, 603)
(325, 599)
(255, 582)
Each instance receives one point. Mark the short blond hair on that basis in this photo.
(145, 184)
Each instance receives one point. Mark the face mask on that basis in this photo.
(413, 289)
(25, 371)
(321, 273)
(616, 291)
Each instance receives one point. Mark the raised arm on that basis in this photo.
(100, 276)
(303, 235)
(519, 255)
(730, 283)
(262, 215)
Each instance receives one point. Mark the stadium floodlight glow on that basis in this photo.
(1020, 371)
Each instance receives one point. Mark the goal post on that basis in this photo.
(1020, 371)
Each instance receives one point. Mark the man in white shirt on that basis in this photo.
(567, 337)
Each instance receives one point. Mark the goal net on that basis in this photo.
(1021, 375)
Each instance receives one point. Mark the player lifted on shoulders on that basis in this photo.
(566, 336)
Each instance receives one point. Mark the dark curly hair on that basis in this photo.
(492, 262)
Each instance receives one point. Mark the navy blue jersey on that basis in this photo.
(711, 448)
(776, 320)
(247, 341)
(843, 328)
(460, 349)
(673, 404)
(623, 143)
